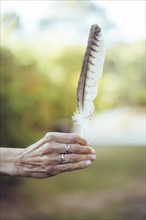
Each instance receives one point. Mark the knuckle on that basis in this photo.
(74, 137)
(71, 166)
(49, 137)
(46, 139)
(48, 134)
(84, 150)
(50, 171)
(73, 157)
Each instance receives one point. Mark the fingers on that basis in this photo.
(72, 166)
(73, 158)
(73, 148)
(79, 149)
(56, 159)
(62, 152)
(55, 142)
(56, 153)
(68, 138)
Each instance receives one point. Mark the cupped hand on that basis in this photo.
(53, 154)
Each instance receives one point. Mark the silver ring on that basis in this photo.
(63, 159)
(67, 147)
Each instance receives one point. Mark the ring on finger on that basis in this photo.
(63, 159)
(67, 147)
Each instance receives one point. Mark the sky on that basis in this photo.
(129, 16)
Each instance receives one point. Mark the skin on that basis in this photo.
(43, 158)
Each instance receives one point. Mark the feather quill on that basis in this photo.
(91, 72)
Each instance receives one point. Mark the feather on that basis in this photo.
(90, 74)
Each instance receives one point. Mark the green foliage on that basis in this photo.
(32, 102)
(123, 81)
(25, 107)
(37, 92)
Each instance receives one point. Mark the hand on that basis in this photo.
(49, 157)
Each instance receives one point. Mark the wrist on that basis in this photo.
(8, 161)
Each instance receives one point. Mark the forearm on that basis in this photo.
(8, 161)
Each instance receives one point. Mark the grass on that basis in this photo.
(112, 188)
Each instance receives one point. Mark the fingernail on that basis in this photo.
(88, 162)
(93, 157)
(92, 150)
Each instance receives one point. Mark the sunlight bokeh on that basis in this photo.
(42, 48)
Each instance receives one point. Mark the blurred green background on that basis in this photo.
(40, 66)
